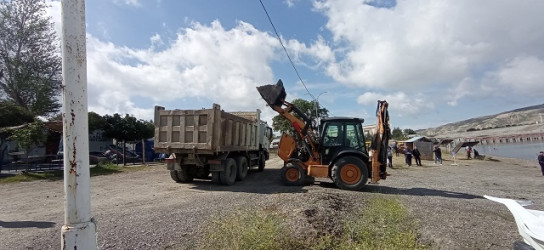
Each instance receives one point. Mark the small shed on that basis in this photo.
(423, 144)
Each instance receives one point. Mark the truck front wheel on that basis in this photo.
(349, 173)
(262, 161)
(228, 176)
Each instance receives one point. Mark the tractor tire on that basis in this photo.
(216, 177)
(262, 162)
(293, 175)
(349, 173)
(228, 176)
(243, 167)
(174, 175)
(185, 175)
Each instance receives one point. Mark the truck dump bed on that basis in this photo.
(205, 131)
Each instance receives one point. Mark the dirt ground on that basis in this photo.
(147, 210)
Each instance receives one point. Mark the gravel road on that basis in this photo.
(147, 210)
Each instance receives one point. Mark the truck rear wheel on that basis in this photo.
(228, 176)
(185, 175)
(349, 173)
(174, 175)
(241, 162)
(293, 175)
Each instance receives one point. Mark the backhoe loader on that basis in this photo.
(339, 152)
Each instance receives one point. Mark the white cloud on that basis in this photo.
(399, 103)
(206, 62)
(134, 3)
(423, 43)
(290, 3)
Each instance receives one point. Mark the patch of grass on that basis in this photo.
(247, 230)
(32, 176)
(381, 224)
(101, 168)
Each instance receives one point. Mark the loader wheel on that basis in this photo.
(349, 173)
(261, 162)
(174, 175)
(185, 175)
(228, 176)
(293, 175)
(216, 177)
(241, 162)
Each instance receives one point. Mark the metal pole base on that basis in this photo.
(79, 236)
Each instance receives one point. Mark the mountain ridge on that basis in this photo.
(521, 120)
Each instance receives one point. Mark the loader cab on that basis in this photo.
(339, 135)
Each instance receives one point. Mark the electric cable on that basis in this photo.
(284, 49)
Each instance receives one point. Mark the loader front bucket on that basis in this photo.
(274, 95)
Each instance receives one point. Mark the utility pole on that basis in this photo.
(79, 229)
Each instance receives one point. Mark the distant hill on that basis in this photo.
(522, 120)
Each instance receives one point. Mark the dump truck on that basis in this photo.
(338, 152)
(204, 141)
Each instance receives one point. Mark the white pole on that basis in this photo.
(79, 229)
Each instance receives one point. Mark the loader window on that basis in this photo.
(333, 135)
(354, 136)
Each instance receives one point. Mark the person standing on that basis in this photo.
(389, 157)
(417, 156)
(469, 150)
(437, 155)
(408, 156)
(541, 161)
(396, 149)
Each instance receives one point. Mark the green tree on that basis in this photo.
(127, 128)
(408, 131)
(96, 122)
(29, 134)
(397, 134)
(30, 63)
(279, 123)
(11, 115)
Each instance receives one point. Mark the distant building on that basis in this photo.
(423, 144)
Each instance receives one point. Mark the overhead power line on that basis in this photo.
(284, 49)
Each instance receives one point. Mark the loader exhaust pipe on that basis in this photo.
(274, 95)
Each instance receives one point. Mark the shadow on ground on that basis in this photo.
(420, 192)
(26, 224)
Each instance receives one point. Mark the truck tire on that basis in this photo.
(243, 167)
(293, 175)
(185, 175)
(216, 177)
(228, 176)
(261, 162)
(349, 173)
(174, 175)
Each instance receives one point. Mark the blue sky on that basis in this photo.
(434, 61)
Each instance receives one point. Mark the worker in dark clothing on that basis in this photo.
(437, 155)
(408, 156)
(541, 161)
(417, 156)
